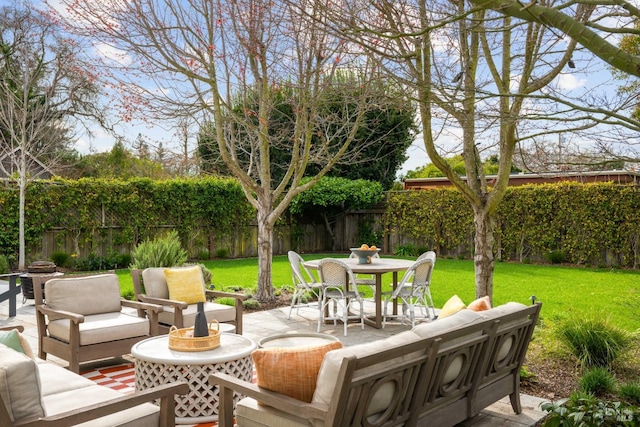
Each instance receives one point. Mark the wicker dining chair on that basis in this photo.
(303, 282)
(339, 294)
(414, 290)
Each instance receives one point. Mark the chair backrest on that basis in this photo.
(419, 274)
(300, 274)
(432, 256)
(336, 274)
(84, 295)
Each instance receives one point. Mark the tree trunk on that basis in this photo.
(23, 195)
(483, 258)
(265, 255)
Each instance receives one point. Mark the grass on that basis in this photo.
(564, 291)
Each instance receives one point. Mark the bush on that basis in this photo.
(594, 342)
(161, 252)
(588, 411)
(598, 381)
(222, 253)
(630, 392)
(4, 265)
(61, 259)
(556, 257)
(408, 250)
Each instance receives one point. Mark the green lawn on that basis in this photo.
(564, 291)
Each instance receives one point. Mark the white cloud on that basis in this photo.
(570, 82)
(112, 54)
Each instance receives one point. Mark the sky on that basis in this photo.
(573, 80)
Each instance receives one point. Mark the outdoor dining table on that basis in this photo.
(377, 267)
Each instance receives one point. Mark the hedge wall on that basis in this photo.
(593, 224)
(128, 211)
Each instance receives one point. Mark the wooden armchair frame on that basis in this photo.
(72, 351)
(164, 392)
(179, 306)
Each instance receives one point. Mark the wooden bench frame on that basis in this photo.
(485, 376)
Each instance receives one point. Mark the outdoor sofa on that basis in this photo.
(440, 373)
(34, 392)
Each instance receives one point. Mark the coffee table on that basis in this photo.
(156, 364)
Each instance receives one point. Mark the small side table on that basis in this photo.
(156, 364)
(296, 339)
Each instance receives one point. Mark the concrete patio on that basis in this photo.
(265, 323)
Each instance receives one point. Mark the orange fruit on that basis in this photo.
(364, 247)
(373, 248)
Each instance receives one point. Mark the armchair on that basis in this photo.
(150, 285)
(82, 319)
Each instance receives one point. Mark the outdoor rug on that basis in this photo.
(122, 378)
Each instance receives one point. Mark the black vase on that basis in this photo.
(200, 327)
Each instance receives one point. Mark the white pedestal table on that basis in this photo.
(156, 364)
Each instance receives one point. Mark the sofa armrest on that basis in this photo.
(161, 301)
(164, 392)
(20, 328)
(228, 384)
(60, 314)
(156, 308)
(150, 310)
(220, 294)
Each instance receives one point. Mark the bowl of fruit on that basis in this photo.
(365, 253)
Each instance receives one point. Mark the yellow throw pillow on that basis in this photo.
(185, 284)
(481, 304)
(452, 306)
(291, 371)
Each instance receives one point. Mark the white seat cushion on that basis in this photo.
(100, 328)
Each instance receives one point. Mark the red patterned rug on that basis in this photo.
(122, 378)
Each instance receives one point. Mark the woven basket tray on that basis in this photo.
(183, 339)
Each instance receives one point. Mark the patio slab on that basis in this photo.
(261, 324)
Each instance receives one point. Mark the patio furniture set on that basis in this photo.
(447, 370)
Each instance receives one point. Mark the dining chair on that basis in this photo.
(414, 290)
(339, 293)
(303, 282)
(366, 279)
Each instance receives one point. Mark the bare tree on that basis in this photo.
(198, 57)
(484, 82)
(42, 93)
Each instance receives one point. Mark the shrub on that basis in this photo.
(222, 253)
(203, 254)
(408, 250)
(61, 259)
(556, 257)
(597, 381)
(586, 411)
(630, 392)
(594, 342)
(164, 251)
(4, 265)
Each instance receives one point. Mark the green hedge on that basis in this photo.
(592, 224)
(134, 208)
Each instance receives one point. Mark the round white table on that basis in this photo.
(156, 364)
